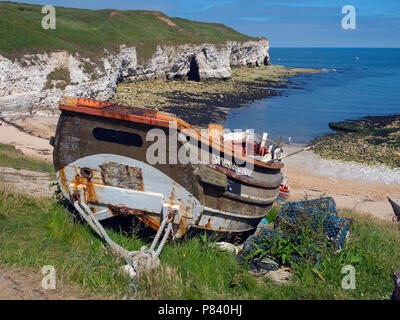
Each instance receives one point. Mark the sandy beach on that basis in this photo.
(364, 189)
(352, 186)
(33, 141)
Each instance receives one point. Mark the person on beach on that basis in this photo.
(290, 140)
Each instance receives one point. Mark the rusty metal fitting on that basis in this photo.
(171, 215)
(75, 196)
(86, 173)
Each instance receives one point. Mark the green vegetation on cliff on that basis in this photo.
(87, 32)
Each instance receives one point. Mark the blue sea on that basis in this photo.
(356, 82)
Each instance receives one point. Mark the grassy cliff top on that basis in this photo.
(89, 31)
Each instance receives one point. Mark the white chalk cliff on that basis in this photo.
(24, 83)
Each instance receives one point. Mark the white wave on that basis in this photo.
(328, 70)
(314, 164)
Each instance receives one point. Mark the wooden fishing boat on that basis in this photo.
(101, 158)
(395, 203)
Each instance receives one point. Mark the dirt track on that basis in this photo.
(18, 284)
(37, 184)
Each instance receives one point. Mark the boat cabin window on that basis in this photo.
(116, 136)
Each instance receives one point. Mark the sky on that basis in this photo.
(285, 23)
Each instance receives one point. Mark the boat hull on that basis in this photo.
(109, 157)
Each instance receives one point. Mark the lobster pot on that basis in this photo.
(318, 213)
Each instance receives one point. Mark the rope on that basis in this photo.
(144, 260)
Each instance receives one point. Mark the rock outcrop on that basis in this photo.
(33, 82)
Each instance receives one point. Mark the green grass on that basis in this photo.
(61, 75)
(11, 157)
(34, 233)
(89, 31)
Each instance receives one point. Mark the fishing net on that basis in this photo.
(255, 245)
(317, 214)
(317, 218)
(325, 205)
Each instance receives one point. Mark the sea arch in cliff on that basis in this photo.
(193, 74)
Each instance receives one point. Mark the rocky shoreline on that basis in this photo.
(197, 102)
(204, 102)
(372, 140)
